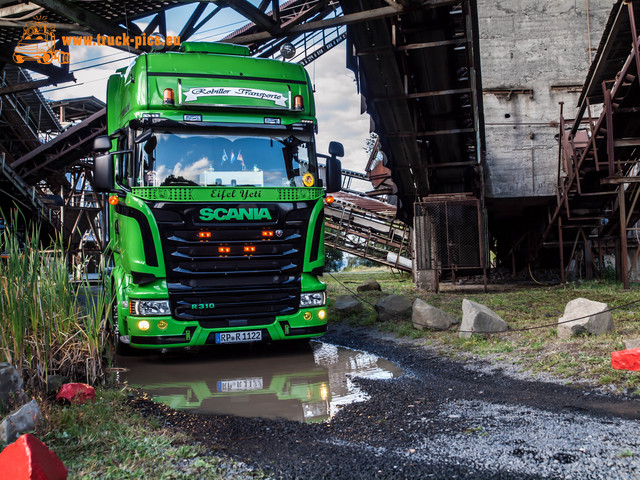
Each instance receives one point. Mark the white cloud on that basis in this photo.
(338, 108)
(89, 81)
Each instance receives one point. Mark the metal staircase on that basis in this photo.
(367, 228)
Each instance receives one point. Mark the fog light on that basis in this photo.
(162, 325)
(307, 316)
(322, 314)
(143, 325)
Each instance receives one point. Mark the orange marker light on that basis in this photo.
(330, 199)
(224, 249)
(168, 97)
(267, 233)
(298, 102)
(204, 234)
(249, 249)
(113, 200)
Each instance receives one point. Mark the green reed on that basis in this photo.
(48, 323)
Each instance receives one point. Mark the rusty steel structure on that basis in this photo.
(368, 228)
(419, 73)
(427, 109)
(450, 238)
(596, 210)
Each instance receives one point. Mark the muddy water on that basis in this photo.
(306, 383)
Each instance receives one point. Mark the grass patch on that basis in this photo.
(538, 350)
(105, 439)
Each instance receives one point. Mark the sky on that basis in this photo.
(337, 100)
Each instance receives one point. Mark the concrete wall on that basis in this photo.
(540, 46)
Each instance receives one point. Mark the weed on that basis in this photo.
(45, 329)
(606, 379)
(477, 429)
(625, 454)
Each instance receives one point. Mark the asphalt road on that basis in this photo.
(443, 420)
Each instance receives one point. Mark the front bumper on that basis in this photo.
(186, 334)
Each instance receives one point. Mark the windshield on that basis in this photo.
(182, 159)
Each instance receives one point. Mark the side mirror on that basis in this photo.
(334, 174)
(102, 144)
(103, 173)
(336, 149)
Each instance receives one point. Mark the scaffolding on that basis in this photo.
(598, 162)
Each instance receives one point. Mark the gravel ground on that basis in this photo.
(444, 420)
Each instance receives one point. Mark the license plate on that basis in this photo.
(239, 337)
(240, 384)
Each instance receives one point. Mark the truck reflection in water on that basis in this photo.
(307, 384)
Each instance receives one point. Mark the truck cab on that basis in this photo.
(215, 199)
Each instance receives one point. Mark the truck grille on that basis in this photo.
(233, 287)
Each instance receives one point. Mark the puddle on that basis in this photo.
(307, 383)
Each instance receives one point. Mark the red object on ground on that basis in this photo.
(626, 359)
(77, 393)
(29, 459)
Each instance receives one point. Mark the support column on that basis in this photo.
(624, 254)
(560, 240)
(425, 269)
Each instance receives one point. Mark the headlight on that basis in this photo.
(315, 299)
(149, 307)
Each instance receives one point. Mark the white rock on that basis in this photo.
(21, 421)
(477, 318)
(348, 304)
(393, 308)
(428, 316)
(584, 316)
(631, 343)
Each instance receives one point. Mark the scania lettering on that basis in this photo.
(235, 214)
(216, 228)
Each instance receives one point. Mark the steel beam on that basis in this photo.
(253, 14)
(349, 19)
(437, 93)
(21, 87)
(95, 23)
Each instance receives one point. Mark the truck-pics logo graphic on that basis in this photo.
(38, 43)
(193, 94)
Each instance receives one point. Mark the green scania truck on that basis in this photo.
(216, 228)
